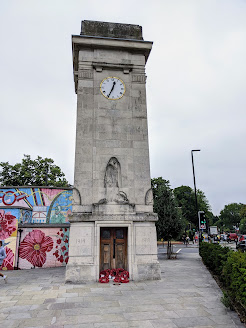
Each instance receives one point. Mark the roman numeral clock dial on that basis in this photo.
(112, 88)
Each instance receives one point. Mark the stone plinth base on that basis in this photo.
(84, 246)
(148, 271)
(80, 274)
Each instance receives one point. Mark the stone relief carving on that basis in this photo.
(149, 197)
(76, 197)
(112, 183)
(85, 74)
(112, 174)
(138, 78)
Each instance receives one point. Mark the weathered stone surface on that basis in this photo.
(112, 171)
(112, 30)
(139, 217)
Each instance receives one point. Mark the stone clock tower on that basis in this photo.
(112, 223)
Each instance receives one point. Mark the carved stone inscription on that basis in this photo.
(83, 241)
(145, 236)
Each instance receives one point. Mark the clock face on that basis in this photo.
(112, 88)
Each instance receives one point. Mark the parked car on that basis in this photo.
(242, 237)
(215, 240)
(232, 236)
(223, 237)
(241, 245)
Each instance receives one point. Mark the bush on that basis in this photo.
(214, 256)
(225, 299)
(234, 276)
(230, 268)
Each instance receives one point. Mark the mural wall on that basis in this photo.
(40, 246)
(8, 234)
(46, 247)
(38, 205)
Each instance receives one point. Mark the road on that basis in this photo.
(190, 249)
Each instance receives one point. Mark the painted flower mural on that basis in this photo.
(62, 245)
(7, 224)
(8, 263)
(34, 246)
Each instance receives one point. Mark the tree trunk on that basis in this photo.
(169, 249)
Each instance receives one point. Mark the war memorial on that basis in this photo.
(112, 224)
(112, 220)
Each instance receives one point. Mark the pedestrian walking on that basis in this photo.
(2, 257)
(192, 238)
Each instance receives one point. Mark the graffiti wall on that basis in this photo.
(44, 247)
(38, 205)
(8, 234)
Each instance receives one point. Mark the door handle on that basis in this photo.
(114, 249)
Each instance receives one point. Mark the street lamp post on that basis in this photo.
(194, 179)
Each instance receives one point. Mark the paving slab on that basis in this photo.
(186, 297)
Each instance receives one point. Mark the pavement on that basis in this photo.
(186, 297)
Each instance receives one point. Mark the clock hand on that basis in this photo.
(112, 88)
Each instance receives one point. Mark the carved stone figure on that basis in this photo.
(112, 182)
(112, 173)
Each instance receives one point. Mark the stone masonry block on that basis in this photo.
(86, 55)
(85, 83)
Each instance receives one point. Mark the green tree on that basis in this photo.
(170, 225)
(242, 227)
(37, 172)
(231, 215)
(186, 200)
(243, 211)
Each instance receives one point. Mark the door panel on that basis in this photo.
(113, 248)
(119, 258)
(106, 256)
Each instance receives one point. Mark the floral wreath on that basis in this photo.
(118, 275)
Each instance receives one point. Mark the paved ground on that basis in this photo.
(187, 296)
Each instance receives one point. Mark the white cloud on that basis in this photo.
(195, 87)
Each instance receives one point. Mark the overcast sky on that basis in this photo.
(195, 88)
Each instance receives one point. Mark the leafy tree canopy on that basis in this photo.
(231, 215)
(170, 225)
(243, 211)
(242, 226)
(186, 200)
(37, 172)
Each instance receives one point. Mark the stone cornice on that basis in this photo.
(43, 225)
(138, 217)
(91, 42)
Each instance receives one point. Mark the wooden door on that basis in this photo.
(113, 248)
